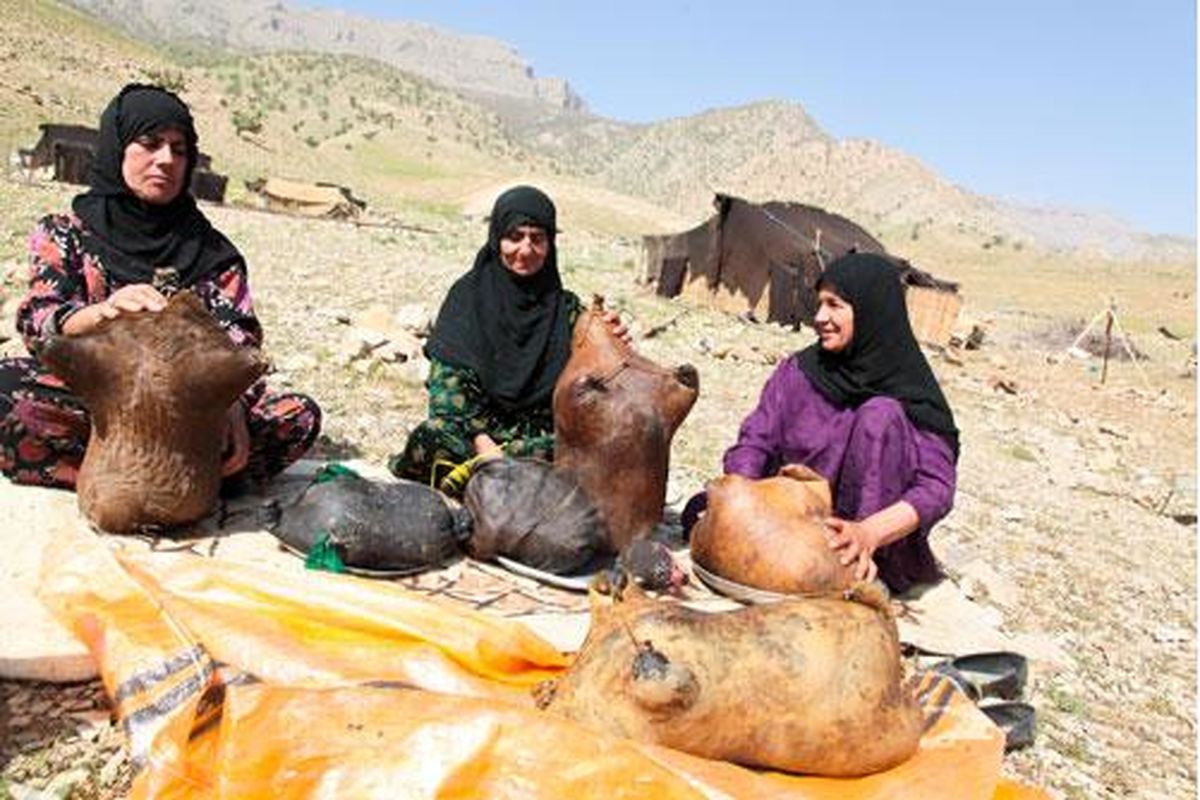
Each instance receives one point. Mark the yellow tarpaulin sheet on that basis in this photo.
(237, 681)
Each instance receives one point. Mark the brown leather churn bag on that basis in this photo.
(158, 386)
(770, 534)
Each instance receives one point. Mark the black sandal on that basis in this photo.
(1017, 720)
(1000, 674)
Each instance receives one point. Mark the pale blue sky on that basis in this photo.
(1090, 105)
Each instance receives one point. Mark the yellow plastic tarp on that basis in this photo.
(237, 681)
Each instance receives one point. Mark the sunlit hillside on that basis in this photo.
(402, 141)
(395, 139)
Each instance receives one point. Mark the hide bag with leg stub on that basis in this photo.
(529, 512)
(387, 527)
(770, 533)
(158, 386)
(810, 686)
(615, 414)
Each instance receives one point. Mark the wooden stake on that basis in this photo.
(1108, 325)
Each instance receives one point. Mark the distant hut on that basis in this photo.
(206, 184)
(67, 149)
(765, 259)
(327, 200)
(71, 149)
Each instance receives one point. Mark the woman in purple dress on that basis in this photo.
(863, 409)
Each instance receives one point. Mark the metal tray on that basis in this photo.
(574, 583)
(738, 591)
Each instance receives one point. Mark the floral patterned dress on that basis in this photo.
(459, 410)
(44, 428)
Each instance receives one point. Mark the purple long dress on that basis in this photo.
(872, 456)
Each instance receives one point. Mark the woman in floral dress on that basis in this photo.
(131, 240)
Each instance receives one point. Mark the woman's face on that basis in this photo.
(834, 321)
(154, 165)
(523, 249)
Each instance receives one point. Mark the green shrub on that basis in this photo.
(247, 120)
(170, 79)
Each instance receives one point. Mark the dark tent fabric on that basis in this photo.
(764, 259)
(71, 149)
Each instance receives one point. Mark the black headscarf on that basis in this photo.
(133, 237)
(883, 357)
(512, 330)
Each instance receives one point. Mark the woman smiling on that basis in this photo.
(862, 408)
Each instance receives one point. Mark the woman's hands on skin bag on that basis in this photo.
(133, 298)
(855, 543)
(126, 300)
(486, 447)
(618, 328)
(235, 453)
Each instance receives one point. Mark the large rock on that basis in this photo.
(33, 644)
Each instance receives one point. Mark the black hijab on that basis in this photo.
(883, 357)
(512, 331)
(133, 237)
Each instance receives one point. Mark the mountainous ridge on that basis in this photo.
(762, 150)
(458, 61)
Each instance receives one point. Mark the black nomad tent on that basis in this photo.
(70, 149)
(765, 259)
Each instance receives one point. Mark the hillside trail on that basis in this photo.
(1074, 519)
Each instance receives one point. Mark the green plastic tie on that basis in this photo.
(324, 555)
(332, 471)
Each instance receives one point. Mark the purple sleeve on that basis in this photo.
(931, 492)
(756, 453)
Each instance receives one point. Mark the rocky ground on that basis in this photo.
(1075, 516)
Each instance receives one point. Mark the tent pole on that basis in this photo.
(1107, 343)
(1124, 339)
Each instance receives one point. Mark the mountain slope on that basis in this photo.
(775, 150)
(361, 120)
(469, 63)
(401, 142)
(60, 66)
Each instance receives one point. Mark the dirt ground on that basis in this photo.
(1078, 496)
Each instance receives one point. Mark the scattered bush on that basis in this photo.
(247, 120)
(170, 79)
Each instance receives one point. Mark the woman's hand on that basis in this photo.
(855, 543)
(126, 300)
(133, 298)
(235, 454)
(485, 446)
(618, 328)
